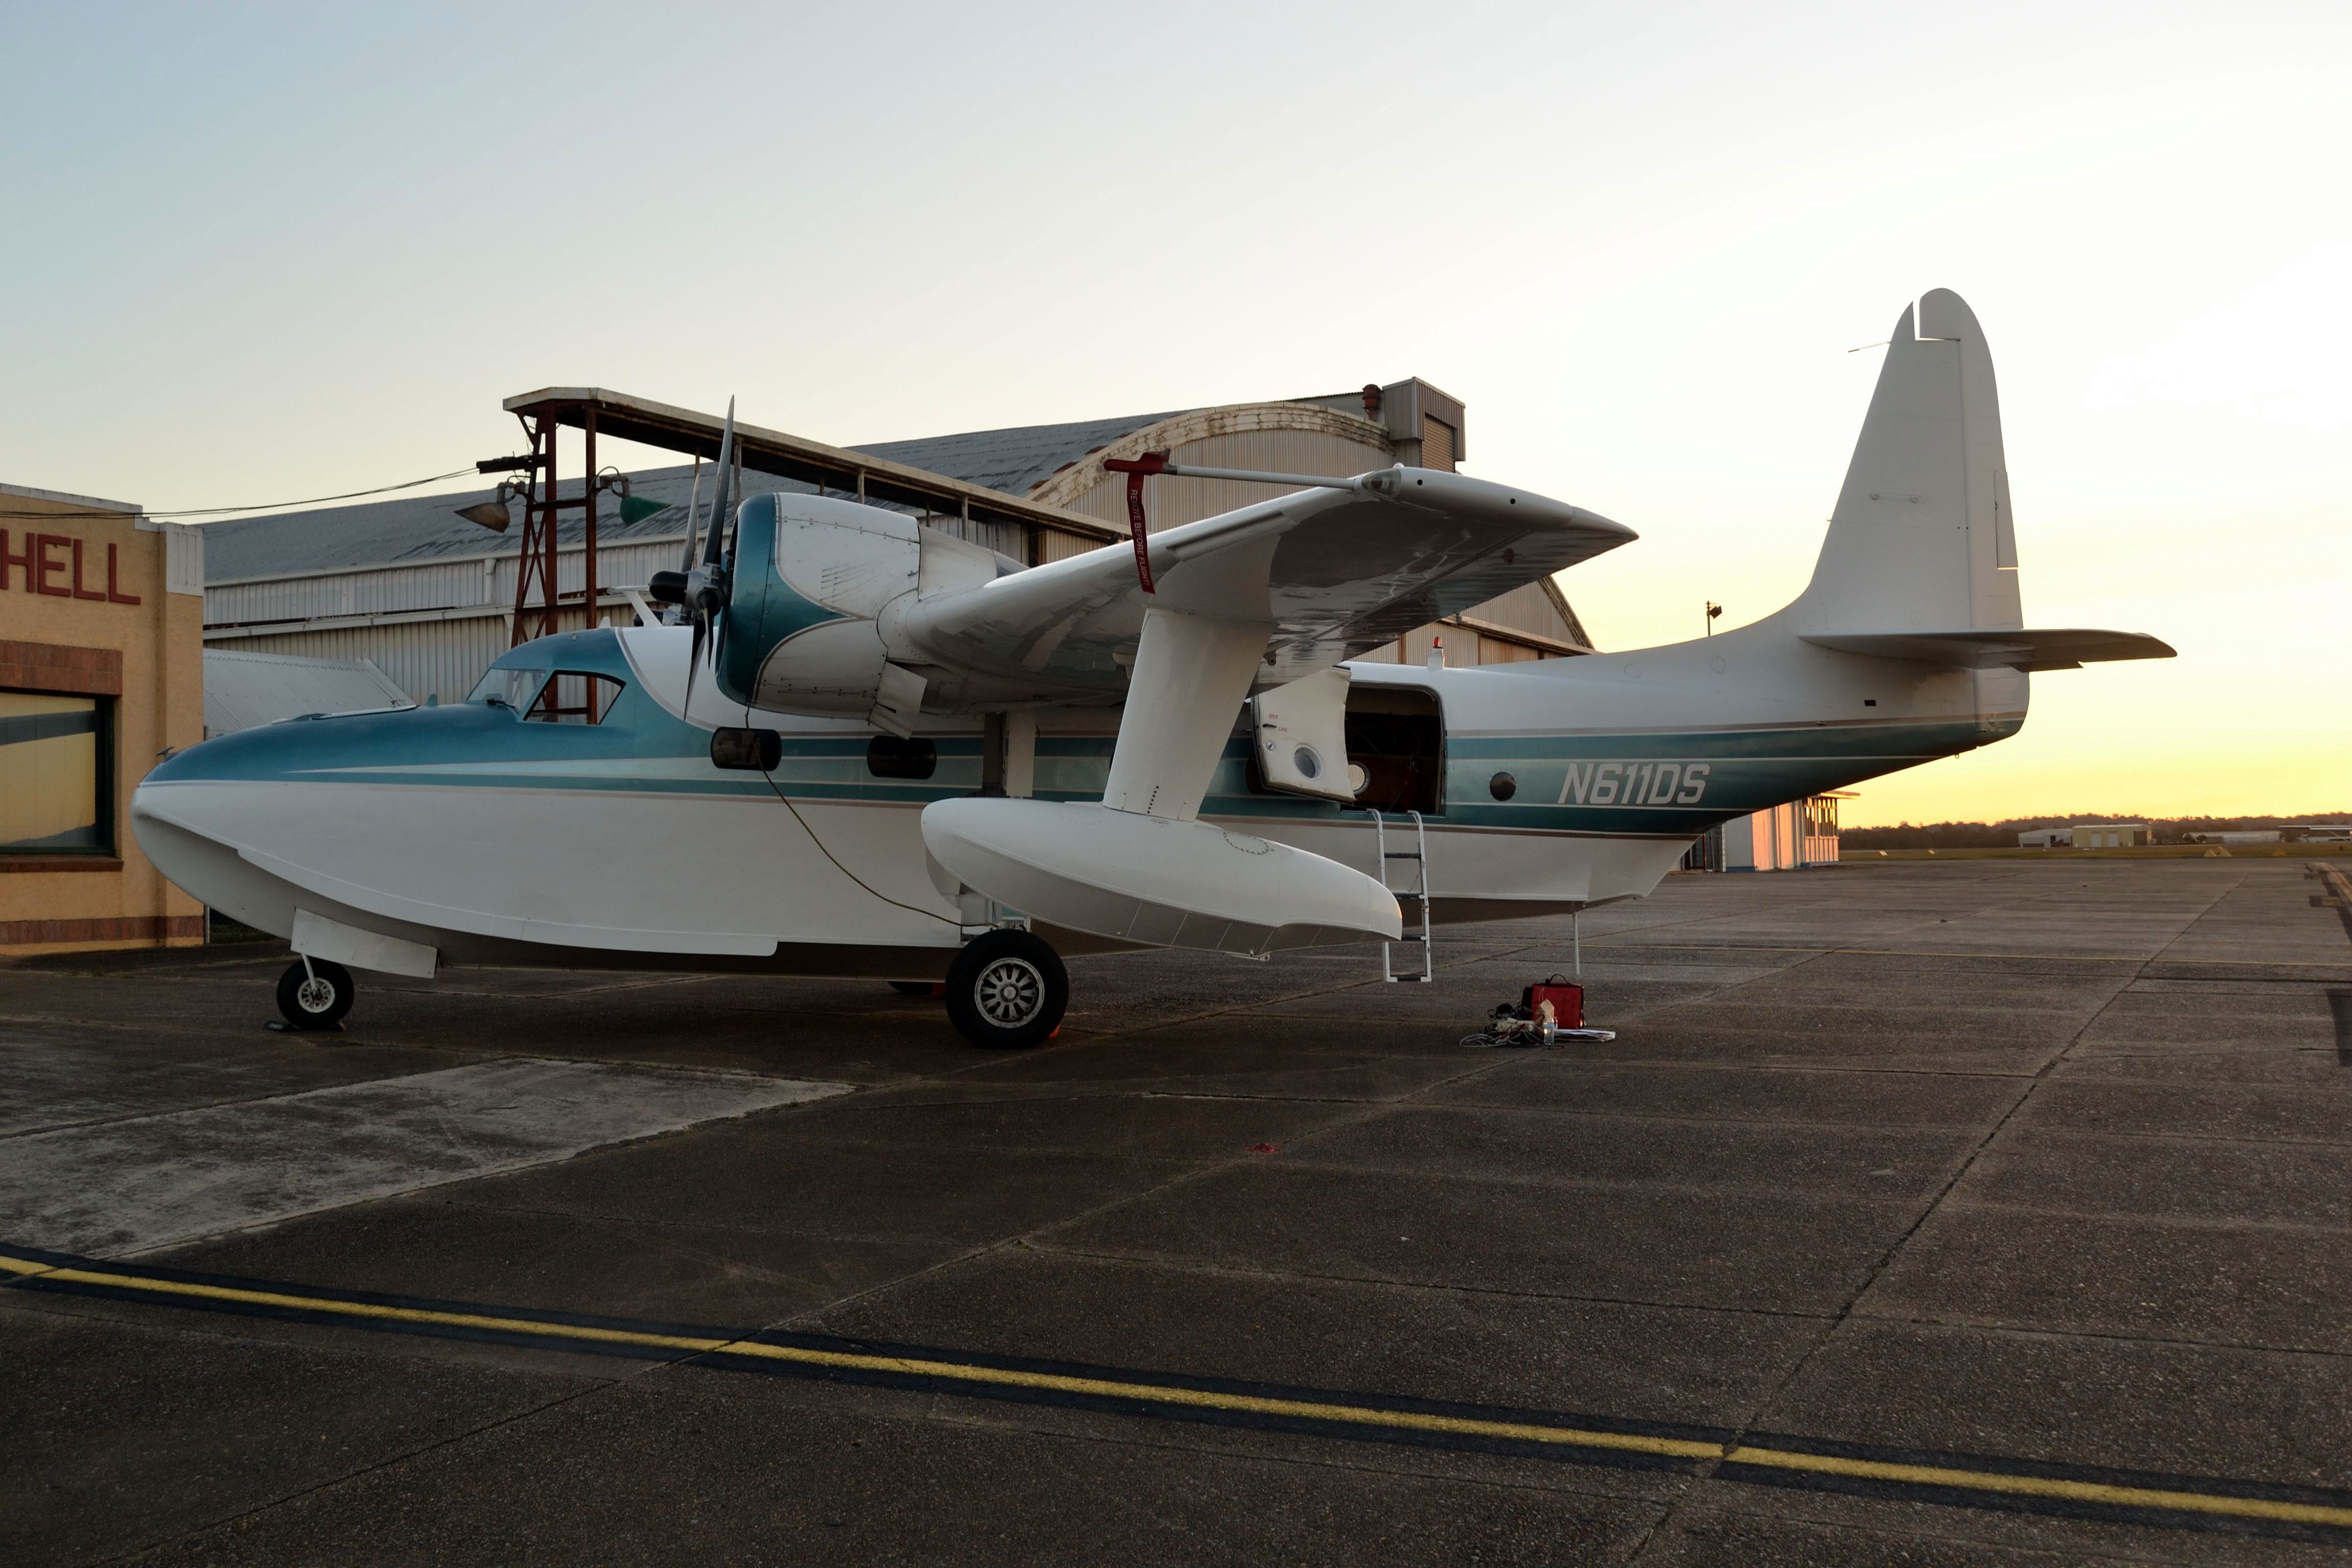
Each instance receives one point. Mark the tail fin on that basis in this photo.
(1922, 538)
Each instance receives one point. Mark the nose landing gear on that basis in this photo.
(314, 993)
(1007, 990)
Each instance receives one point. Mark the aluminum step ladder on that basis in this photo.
(1419, 892)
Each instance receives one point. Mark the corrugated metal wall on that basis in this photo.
(440, 657)
(428, 585)
(1011, 538)
(427, 658)
(1527, 610)
(1171, 501)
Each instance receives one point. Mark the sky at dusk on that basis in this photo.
(260, 252)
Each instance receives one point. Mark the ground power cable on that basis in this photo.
(828, 854)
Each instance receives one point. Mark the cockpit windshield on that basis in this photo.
(509, 688)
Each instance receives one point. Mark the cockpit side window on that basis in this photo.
(507, 688)
(573, 697)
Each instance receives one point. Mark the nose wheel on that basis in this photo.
(1007, 990)
(314, 993)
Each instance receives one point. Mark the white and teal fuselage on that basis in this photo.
(492, 838)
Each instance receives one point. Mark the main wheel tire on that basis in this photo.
(1007, 991)
(315, 996)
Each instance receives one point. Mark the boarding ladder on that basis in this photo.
(1419, 892)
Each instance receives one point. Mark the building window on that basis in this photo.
(56, 758)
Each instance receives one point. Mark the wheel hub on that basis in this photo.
(1010, 993)
(314, 994)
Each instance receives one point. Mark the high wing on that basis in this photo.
(1327, 573)
(1258, 596)
(2028, 649)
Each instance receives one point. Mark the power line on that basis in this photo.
(258, 506)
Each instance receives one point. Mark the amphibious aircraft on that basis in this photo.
(875, 749)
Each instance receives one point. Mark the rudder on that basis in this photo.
(1922, 537)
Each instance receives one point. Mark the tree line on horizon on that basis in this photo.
(2002, 834)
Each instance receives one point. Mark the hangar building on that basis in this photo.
(428, 599)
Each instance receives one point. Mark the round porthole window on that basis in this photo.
(1502, 787)
(1308, 764)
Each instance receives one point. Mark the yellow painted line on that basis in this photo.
(1940, 953)
(1314, 1410)
(1955, 1478)
(2044, 1486)
(1154, 1394)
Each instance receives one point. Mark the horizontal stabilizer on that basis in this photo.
(1148, 879)
(2065, 648)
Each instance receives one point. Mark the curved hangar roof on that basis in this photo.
(1052, 463)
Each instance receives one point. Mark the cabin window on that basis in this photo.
(571, 697)
(56, 758)
(509, 687)
(1396, 735)
(889, 757)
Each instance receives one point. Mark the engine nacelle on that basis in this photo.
(812, 574)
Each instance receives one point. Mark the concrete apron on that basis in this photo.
(125, 1188)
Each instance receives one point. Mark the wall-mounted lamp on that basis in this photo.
(493, 514)
(633, 509)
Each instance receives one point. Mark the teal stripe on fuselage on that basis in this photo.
(1653, 784)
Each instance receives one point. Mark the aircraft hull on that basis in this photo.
(491, 839)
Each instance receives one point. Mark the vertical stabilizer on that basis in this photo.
(1922, 537)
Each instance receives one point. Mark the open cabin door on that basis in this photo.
(1396, 735)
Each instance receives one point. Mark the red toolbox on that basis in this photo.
(1567, 999)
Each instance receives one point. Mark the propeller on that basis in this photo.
(693, 516)
(702, 588)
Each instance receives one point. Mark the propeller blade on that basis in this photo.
(693, 514)
(694, 655)
(719, 627)
(722, 500)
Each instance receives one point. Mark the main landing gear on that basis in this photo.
(1007, 990)
(314, 993)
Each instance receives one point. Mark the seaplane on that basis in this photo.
(840, 742)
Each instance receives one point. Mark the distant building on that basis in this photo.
(1783, 839)
(2109, 835)
(2242, 835)
(2045, 837)
(2322, 832)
